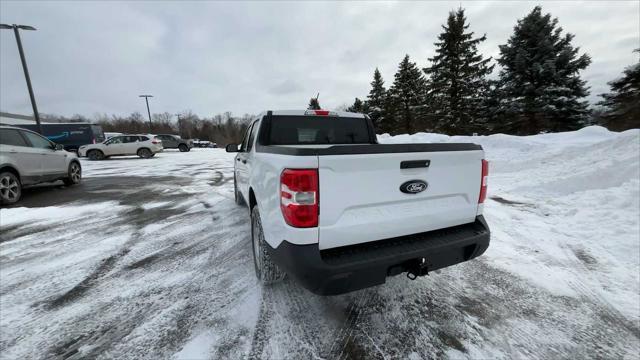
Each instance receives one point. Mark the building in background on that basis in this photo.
(16, 119)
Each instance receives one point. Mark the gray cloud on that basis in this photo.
(286, 87)
(89, 57)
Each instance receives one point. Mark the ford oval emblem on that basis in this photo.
(413, 186)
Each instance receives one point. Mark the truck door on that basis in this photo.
(243, 161)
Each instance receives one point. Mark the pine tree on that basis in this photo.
(540, 79)
(457, 75)
(314, 104)
(377, 104)
(623, 102)
(492, 111)
(358, 106)
(407, 98)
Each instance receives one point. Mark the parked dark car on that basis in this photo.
(204, 144)
(175, 142)
(70, 135)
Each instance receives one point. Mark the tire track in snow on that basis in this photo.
(573, 262)
(79, 290)
(611, 314)
(261, 333)
(345, 344)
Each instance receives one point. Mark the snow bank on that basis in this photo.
(564, 209)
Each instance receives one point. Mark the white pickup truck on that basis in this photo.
(339, 212)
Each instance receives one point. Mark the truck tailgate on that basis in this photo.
(360, 198)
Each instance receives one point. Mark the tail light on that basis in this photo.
(156, 141)
(299, 197)
(483, 181)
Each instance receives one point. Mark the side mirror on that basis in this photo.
(231, 148)
(59, 147)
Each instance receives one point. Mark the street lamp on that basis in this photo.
(146, 98)
(16, 29)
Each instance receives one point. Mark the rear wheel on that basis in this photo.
(95, 155)
(267, 271)
(183, 148)
(145, 153)
(75, 174)
(10, 188)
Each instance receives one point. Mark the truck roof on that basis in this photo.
(305, 112)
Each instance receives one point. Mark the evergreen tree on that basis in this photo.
(377, 104)
(492, 111)
(623, 102)
(314, 104)
(358, 106)
(407, 98)
(457, 84)
(540, 79)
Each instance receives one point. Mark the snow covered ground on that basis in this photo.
(151, 259)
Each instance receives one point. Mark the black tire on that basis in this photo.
(10, 188)
(183, 148)
(145, 153)
(267, 271)
(95, 155)
(75, 174)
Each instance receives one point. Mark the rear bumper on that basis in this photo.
(340, 270)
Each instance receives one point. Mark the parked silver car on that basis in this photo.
(145, 146)
(27, 158)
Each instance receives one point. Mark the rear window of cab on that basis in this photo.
(318, 130)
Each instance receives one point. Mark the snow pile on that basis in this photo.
(574, 200)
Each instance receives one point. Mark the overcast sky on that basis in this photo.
(210, 57)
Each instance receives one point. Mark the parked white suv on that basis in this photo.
(339, 212)
(27, 158)
(145, 146)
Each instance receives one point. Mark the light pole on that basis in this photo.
(146, 98)
(16, 31)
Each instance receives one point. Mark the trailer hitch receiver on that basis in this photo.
(418, 267)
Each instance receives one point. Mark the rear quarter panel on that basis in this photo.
(264, 175)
